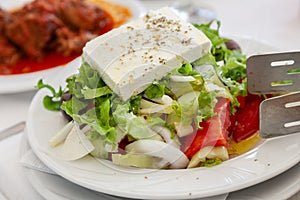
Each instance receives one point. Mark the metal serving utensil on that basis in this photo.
(276, 74)
(12, 130)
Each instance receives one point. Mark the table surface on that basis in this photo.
(274, 21)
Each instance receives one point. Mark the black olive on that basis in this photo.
(232, 45)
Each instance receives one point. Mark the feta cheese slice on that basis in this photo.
(134, 55)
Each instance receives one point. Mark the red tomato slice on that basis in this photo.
(241, 100)
(214, 132)
(246, 120)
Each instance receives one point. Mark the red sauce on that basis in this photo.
(27, 65)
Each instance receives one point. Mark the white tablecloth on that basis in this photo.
(275, 21)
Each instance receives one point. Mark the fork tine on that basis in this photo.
(278, 114)
(266, 72)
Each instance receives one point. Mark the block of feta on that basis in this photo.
(131, 57)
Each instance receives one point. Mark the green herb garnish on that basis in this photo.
(51, 102)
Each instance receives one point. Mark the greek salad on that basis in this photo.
(193, 114)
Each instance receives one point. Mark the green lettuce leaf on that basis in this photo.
(51, 102)
(73, 106)
(155, 90)
(89, 93)
(207, 102)
(132, 124)
(187, 70)
(232, 70)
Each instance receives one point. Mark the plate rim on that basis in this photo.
(34, 178)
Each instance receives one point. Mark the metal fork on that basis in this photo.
(277, 74)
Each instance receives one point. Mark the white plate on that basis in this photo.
(50, 186)
(270, 158)
(282, 186)
(28, 81)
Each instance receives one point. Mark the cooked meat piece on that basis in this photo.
(80, 14)
(41, 5)
(3, 19)
(31, 30)
(9, 54)
(2, 16)
(69, 42)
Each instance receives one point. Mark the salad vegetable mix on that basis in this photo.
(196, 115)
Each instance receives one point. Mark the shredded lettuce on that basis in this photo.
(232, 71)
(88, 89)
(218, 43)
(85, 81)
(132, 124)
(155, 90)
(211, 162)
(89, 93)
(135, 103)
(187, 70)
(73, 106)
(207, 102)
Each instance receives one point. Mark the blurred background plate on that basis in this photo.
(26, 82)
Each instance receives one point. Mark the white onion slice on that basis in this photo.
(182, 78)
(209, 152)
(166, 135)
(61, 135)
(76, 145)
(169, 154)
